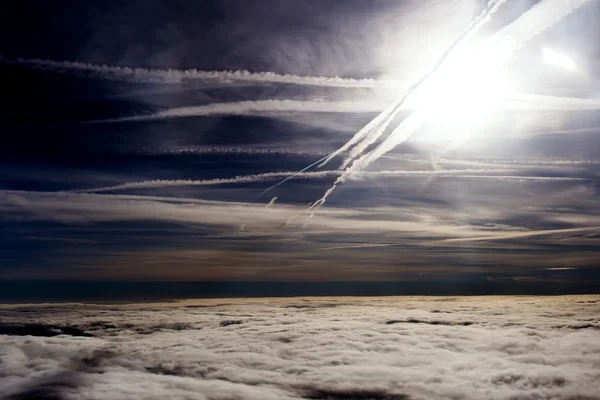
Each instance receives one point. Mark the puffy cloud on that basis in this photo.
(322, 348)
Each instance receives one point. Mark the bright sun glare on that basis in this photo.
(558, 59)
(463, 92)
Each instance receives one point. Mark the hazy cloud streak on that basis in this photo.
(182, 76)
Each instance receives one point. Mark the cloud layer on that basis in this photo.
(322, 348)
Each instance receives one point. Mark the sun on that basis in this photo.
(464, 92)
(558, 59)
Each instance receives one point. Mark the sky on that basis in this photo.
(140, 141)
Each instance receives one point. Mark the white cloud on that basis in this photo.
(338, 348)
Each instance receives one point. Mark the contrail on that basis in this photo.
(207, 182)
(378, 125)
(251, 151)
(390, 114)
(518, 235)
(517, 101)
(273, 200)
(540, 102)
(369, 133)
(269, 176)
(370, 138)
(522, 178)
(291, 176)
(521, 163)
(486, 161)
(358, 246)
(417, 118)
(534, 21)
(435, 172)
(546, 13)
(574, 131)
(252, 108)
(143, 75)
(375, 125)
(402, 132)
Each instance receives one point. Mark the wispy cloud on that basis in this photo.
(358, 246)
(527, 234)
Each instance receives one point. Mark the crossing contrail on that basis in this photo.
(532, 23)
(292, 176)
(378, 125)
(541, 17)
(389, 115)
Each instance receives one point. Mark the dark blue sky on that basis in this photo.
(108, 173)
